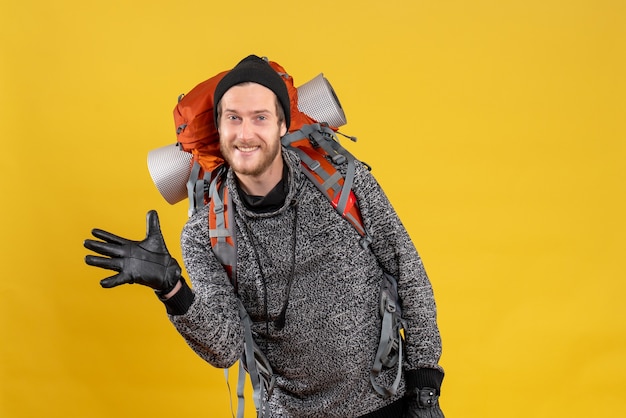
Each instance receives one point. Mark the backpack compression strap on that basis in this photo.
(313, 143)
(195, 188)
(258, 367)
(389, 353)
(261, 373)
(221, 222)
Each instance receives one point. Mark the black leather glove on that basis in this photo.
(423, 403)
(145, 262)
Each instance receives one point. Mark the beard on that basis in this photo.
(255, 165)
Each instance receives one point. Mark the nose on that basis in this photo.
(245, 129)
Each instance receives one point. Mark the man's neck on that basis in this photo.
(263, 184)
(272, 201)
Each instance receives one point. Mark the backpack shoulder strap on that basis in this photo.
(318, 149)
(223, 244)
(221, 222)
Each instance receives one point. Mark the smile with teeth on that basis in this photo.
(249, 148)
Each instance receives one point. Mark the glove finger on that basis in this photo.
(153, 226)
(154, 241)
(109, 237)
(116, 280)
(115, 264)
(103, 248)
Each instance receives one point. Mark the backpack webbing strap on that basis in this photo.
(253, 361)
(196, 188)
(241, 385)
(337, 188)
(241, 380)
(327, 140)
(257, 366)
(192, 185)
(220, 221)
(345, 212)
(389, 352)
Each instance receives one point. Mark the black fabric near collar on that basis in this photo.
(272, 201)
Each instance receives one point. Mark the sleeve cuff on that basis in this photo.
(180, 302)
(424, 378)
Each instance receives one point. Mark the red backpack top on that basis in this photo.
(195, 128)
(316, 144)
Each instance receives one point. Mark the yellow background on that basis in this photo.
(496, 127)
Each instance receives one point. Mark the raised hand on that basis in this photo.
(146, 262)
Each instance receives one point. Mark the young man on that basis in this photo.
(310, 288)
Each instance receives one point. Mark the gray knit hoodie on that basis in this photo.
(323, 355)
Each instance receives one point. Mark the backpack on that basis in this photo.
(320, 152)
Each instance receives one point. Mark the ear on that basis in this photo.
(283, 129)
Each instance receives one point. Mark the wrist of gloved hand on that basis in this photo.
(424, 398)
(422, 393)
(168, 286)
(180, 302)
(423, 403)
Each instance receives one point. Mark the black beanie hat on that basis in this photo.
(256, 70)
